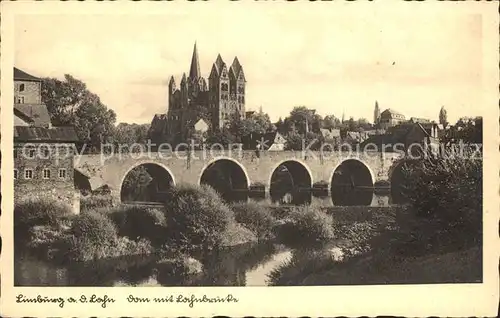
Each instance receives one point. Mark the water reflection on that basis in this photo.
(349, 196)
(246, 265)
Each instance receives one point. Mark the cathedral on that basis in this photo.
(216, 102)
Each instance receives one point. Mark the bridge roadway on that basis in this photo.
(248, 168)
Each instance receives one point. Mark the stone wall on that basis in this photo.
(31, 92)
(52, 158)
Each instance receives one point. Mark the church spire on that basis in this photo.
(194, 72)
(376, 114)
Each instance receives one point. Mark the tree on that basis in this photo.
(128, 134)
(221, 137)
(304, 119)
(443, 117)
(331, 122)
(467, 129)
(94, 124)
(258, 123)
(293, 141)
(70, 103)
(280, 126)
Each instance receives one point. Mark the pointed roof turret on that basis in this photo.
(236, 67)
(219, 63)
(172, 80)
(194, 71)
(237, 70)
(183, 80)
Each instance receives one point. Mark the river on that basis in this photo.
(244, 265)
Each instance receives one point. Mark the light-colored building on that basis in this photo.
(390, 118)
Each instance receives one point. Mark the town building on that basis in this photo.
(419, 120)
(43, 154)
(269, 141)
(408, 136)
(390, 118)
(216, 100)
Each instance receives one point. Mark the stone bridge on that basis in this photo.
(247, 168)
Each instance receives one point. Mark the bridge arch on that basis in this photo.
(397, 180)
(290, 181)
(161, 177)
(351, 183)
(228, 177)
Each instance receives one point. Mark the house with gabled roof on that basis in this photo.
(43, 154)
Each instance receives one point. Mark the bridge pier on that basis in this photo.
(116, 196)
(313, 171)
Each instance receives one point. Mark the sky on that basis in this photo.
(413, 62)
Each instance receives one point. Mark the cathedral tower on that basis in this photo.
(219, 92)
(237, 87)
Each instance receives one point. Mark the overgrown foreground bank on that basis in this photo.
(437, 238)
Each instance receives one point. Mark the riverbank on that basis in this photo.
(389, 249)
(371, 245)
(174, 233)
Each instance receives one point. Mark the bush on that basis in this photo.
(38, 212)
(196, 216)
(448, 192)
(94, 227)
(307, 224)
(138, 222)
(94, 202)
(255, 217)
(93, 236)
(83, 249)
(360, 237)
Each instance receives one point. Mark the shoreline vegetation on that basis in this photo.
(435, 238)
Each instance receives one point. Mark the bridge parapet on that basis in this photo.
(258, 167)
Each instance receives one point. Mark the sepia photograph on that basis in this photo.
(247, 147)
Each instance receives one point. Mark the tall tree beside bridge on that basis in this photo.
(129, 134)
(258, 123)
(70, 103)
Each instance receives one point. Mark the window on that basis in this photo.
(15, 153)
(16, 172)
(21, 87)
(31, 153)
(46, 173)
(28, 174)
(62, 173)
(46, 152)
(19, 100)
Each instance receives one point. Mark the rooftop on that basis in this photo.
(391, 112)
(23, 76)
(41, 134)
(36, 113)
